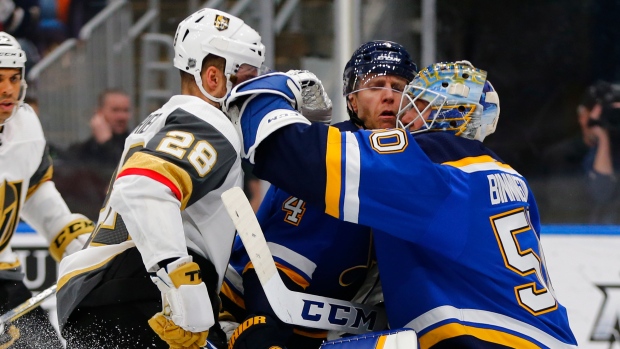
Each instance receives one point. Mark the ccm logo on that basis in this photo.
(11, 54)
(338, 314)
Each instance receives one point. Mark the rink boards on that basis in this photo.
(584, 263)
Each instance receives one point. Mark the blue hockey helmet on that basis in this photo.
(457, 97)
(372, 59)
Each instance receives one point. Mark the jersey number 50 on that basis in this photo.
(537, 298)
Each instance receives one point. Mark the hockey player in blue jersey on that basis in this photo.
(456, 229)
(302, 238)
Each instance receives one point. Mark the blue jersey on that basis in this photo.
(456, 229)
(320, 254)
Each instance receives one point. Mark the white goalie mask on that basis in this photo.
(209, 31)
(12, 56)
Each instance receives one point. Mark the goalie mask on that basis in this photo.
(209, 31)
(451, 97)
(12, 56)
(373, 59)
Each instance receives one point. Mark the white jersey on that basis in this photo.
(165, 199)
(27, 192)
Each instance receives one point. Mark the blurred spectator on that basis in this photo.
(20, 18)
(600, 123)
(109, 126)
(53, 24)
(62, 19)
(84, 170)
(580, 184)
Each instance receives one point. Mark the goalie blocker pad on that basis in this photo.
(402, 338)
(260, 106)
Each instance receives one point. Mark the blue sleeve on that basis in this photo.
(278, 161)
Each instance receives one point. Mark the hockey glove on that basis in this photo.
(261, 106)
(316, 105)
(257, 332)
(9, 337)
(187, 314)
(71, 238)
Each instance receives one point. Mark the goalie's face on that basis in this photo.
(377, 100)
(10, 84)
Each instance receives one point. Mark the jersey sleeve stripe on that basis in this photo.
(232, 294)
(296, 260)
(34, 186)
(480, 163)
(153, 175)
(160, 170)
(333, 165)
(488, 335)
(352, 178)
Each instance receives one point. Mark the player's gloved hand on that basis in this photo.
(316, 105)
(257, 332)
(71, 238)
(261, 106)
(9, 336)
(187, 314)
(176, 336)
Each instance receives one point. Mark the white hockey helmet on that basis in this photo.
(12, 56)
(210, 31)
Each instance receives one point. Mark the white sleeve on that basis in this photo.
(46, 211)
(152, 215)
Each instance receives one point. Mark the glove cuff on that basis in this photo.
(186, 274)
(67, 234)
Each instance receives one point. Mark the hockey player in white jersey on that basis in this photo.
(151, 274)
(27, 192)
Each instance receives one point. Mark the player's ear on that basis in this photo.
(211, 78)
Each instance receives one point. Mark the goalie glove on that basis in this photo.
(71, 238)
(316, 105)
(187, 314)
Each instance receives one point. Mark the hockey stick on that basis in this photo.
(26, 307)
(292, 307)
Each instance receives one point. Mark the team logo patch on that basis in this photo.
(10, 194)
(221, 22)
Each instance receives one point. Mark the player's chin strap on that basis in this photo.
(217, 100)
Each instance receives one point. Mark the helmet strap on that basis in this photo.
(212, 98)
(353, 115)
